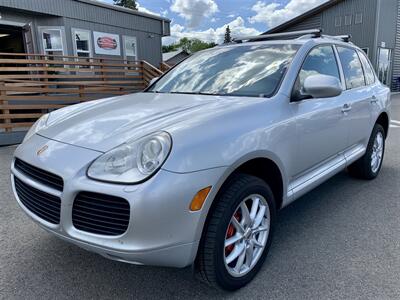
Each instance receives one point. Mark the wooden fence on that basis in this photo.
(34, 84)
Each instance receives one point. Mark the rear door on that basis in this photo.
(358, 95)
(321, 124)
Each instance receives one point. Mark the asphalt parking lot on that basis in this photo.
(341, 241)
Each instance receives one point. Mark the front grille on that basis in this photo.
(47, 178)
(43, 205)
(100, 214)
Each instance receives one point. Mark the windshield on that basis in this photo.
(251, 70)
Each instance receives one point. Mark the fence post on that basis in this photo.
(3, 101)
(143, 73)
(101, 61)
(46, 75)
(81, 92)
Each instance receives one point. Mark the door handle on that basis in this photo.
(346, 108)
(374, 99)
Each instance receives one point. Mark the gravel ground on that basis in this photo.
(340, 241)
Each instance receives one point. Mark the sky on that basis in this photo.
(207, 19)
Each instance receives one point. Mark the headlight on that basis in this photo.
(39, 125)
(133, 161)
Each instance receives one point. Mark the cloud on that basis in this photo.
(274, 13)
(237, 26)
(145, 10)
(164, 12)
(193, 11)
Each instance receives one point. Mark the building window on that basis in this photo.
(82, 42)
(359, 18)
(347, 20)
(384, 65)
(338, 21)
(130, 48)
(366, 50)
(52, 41)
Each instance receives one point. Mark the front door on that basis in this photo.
(28, 38)
(321, 124)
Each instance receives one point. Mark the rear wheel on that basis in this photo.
(368, 166)
(238, 235)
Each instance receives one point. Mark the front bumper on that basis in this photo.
(162, 230)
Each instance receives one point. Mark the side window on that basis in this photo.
(352, 68)
(369, 72)
(321, 60)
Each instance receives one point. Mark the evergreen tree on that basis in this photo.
(228, 37)
(126, 3)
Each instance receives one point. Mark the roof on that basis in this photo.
(172, 54)
(304, 16)
(123, 9)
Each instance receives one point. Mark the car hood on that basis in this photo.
(104, 124)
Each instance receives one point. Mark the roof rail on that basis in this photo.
(313, 32)
(345, 38)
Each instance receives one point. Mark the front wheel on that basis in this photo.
(368, 166)
(238, 234)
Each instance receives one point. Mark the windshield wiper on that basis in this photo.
(197, 93)
(155, 92)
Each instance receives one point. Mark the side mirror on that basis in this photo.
(153, 80)
(322, 86)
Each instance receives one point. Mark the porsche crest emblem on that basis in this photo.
(41, 150)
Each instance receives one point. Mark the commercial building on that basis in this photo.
(373, 24)
(80, 28)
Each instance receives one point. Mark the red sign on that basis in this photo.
(107, 43)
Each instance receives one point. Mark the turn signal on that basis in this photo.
(198, 200)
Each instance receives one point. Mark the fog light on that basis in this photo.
(198, 200)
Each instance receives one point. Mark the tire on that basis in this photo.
(364, 168)
(212, 260)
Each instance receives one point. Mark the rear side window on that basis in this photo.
(368, 71)
(352, 68)
(321, 60)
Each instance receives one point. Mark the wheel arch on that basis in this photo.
(383, 120)
(263, 165)
(258, 164)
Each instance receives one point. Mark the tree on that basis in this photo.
(197, 45)
(228, 38)
(169, 48)
(126, 3)
(185, 44)
(188, 45)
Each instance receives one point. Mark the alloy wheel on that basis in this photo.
(246, 236)
(377, 152)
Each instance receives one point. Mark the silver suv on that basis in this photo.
(193, 170)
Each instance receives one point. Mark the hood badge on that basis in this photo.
(41, 150)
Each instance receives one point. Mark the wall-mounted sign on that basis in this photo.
(106, 43)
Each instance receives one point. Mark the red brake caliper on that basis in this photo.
(230, 233)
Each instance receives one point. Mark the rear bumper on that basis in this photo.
(162, 230)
